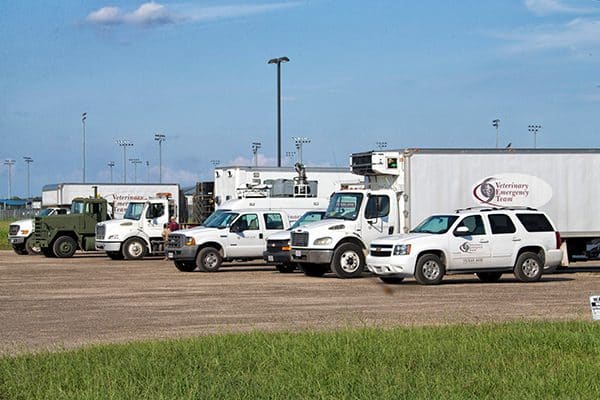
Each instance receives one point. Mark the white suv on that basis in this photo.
(487, 242)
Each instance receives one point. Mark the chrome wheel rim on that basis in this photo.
(431, 270)
(211, 260)
(349, 261)
(136, 249)
(530, 268)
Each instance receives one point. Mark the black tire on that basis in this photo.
(529, 267)
(114, 255)
(392, 280)
(348, 261)
(209, 260)
(185, 266)
(64, 247)
(430, 270)
(20, 249)
(31, 248)
(489, 276)
(314, 269)
(134, 249)
(47, 251)
(286, 268)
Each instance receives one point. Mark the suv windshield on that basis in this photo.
(307, 219)
(220, 220)
(134, 211)
(436, 224)
(344, 206)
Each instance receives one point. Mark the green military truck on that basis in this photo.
(61, 235)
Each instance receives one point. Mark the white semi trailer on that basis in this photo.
(405, 186)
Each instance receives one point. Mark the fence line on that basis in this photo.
(16, 214)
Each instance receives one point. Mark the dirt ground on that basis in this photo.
(53, 304)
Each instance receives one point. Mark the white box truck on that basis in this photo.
(405, 186)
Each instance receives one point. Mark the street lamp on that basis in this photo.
(255, 147)
(278, 61)
(159, 137)
(496, 124)
(28, 160)
(147, 171)
(534, 129)
(9, 163)
(135, 162)
(381, 145)
(289, 155)
(124, 144)
(111, 164)
(299, 142)
(83, 118)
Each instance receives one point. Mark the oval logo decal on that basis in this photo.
(512, 190)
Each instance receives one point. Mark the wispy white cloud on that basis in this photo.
(155, 14)
(578, 34)
(545, 7)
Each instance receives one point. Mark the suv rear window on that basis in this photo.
(535, 222)
(501, 223)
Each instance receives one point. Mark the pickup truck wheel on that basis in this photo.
(529, 267)
(31, 248)
(489, 276)
(393, 280)
(184, 266)
(114, 255)
(348, 261)
(314, 269)
(64, 247)
(209, 260)
(429, 270)
(134, 249)
(286, 268)
(19, 249)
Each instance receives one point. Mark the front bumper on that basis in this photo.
(17, 239)
(401, 266)
(185, 253)
(311, 256)
(279, 257)
(108, 246)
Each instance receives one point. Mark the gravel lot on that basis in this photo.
(53, 304)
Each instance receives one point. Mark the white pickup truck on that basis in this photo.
(224, 236)
(20, 233)
(487, 242)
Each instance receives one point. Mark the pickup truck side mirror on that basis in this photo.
(235, 229)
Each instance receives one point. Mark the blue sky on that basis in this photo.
(413, 74)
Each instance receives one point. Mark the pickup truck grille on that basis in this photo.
(381, 250)
(277, 244)
(100, 232)
(175, 241)
(300, 239)
(13, 229)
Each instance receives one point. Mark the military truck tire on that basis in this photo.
(348, 261)
(64, 247)
(31, 248)
(209, 260)
(134, 249)
(19, 249)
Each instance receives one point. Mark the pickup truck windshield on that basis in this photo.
(344, 206)
(220, 220)
(134, 211)
(436, 224)
(45, 212)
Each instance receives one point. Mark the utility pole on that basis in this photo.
(278, 61)
(496, 124)
(160, 137)
(124, 143)
(381, 145)
(111, 164)
(135, 162)
(255, 147)
(28, 160)
(299, 142)
(9, 163)
(83, 118)
(534, 129)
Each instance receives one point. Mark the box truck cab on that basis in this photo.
(139, 233)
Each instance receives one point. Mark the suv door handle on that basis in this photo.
(484, 241)
(516, 239)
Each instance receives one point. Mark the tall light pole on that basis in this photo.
(28, 160)
(278, 61)
(381, 145)
(83, 118)
(299, 142)
(147, 171)
(111, 164)
(534, 129)
(124, 143)
(255, 147)
(496, 124)
(9, 163)
(289, 155)
(159, 137)
(135, 162)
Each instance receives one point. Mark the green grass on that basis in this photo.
(4, 245)
(512, 361)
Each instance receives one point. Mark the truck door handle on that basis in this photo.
(516, 239)
(484, 241)
(260, 235)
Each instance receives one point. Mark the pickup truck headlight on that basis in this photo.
(324, 241)
(190, 241)
(401, 249)
(113, 237)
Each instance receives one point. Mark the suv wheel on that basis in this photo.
(64, 247)
(489, 276)
(348, 261)
(529, 267)
(209, 260)
(430, 270)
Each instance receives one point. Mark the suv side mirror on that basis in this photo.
(461, 231)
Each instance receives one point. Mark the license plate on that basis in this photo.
(269, 258)
(298, 253)
(170, 254)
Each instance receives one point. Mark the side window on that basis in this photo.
(474, 223)
(247, 222)
(501, 223)
(273, 221)
(155, 211)
(377, 207)
(535, 222)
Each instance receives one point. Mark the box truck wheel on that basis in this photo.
(489, 276)
(64, 247)
(429, 270)
(134, 249)
(31, 248)
(209, 259)
(348, 261)
(529, 267)
(313, 269)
